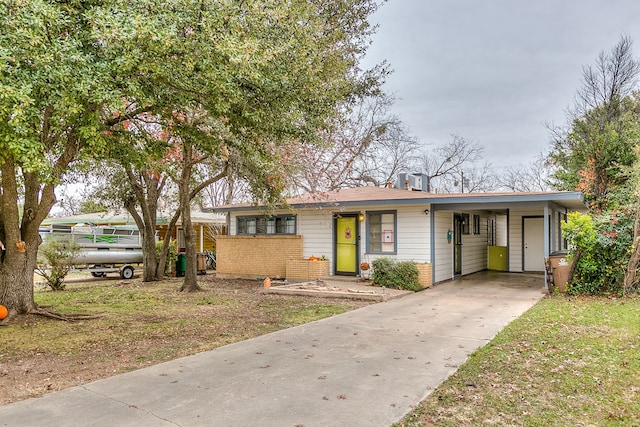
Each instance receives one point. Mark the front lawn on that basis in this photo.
(566, 362)
(140, 324)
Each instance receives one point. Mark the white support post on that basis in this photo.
(201, 238)
(546, 241)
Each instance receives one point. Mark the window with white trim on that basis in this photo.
(381, 232)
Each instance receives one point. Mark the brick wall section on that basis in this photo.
(301, 269)
(424, 274)
(256, 256)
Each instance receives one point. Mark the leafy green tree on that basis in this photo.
(53, 82)
(88, 206)
(596, 152)
(73, 74)
(631, 282)
(593, 154)
(274, 93)
(598, 156)
(600, 246)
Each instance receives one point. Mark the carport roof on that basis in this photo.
(111, 218)
(368, 196)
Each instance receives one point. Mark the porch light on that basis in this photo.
(361, 217)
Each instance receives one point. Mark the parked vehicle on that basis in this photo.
(112, 249)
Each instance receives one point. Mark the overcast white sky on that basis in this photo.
(494, 71)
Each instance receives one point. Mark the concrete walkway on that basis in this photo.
(367, 367)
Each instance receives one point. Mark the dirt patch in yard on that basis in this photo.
(141, 324)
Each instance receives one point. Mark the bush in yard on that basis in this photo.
(172, 255)
(55, 259)
(600, 246)
(394, 274)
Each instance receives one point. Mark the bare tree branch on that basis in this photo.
(531, 177)
(613, 77)
(369, 146)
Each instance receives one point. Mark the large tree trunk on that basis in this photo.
(20, 235)
(148, 233)
(147, 189)
(149, 257)
(165, 246)
(190, 277)
(16, 281)
(190, 283)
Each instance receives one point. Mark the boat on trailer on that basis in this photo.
(103, 249)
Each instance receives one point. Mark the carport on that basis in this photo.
(521, 231)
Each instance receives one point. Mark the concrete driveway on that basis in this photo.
(368, 367)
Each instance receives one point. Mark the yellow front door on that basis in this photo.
(346, 245)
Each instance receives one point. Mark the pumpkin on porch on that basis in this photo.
(3, 312)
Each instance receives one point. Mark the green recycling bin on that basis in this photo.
(181, 265)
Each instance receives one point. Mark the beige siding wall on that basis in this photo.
(474, 246)
(413, 234)
(205, 235)
(316, 225)
(443, 250)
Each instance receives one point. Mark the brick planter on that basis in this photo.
(424, 274)
(302, 269)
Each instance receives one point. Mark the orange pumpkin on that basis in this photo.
(3, 312)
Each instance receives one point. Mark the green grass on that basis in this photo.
(143, 312)
(566, 362)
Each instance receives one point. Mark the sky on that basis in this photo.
(495, 72)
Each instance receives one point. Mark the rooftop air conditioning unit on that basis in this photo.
(415, 182)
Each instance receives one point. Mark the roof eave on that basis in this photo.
(572, 200)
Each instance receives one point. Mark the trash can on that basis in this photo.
(201, 262)
(181, 265)
(561, 267)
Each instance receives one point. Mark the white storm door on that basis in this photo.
(533, 244)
